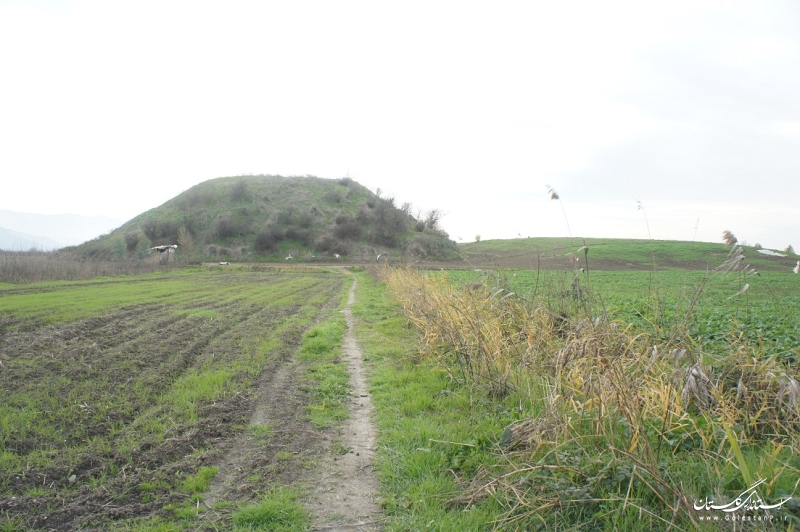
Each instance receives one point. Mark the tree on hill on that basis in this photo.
(143, 247)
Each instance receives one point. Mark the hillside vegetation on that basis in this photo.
(267, 217)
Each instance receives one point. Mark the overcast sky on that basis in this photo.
(692, 108)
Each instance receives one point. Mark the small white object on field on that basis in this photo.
(797, 268)
(771, 253)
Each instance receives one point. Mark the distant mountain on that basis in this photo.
(15, 241)
(62, 229)
(267, 217)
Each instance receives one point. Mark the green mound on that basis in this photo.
(266, 217)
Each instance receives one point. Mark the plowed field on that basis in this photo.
(115, 393)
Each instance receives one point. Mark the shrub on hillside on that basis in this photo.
(346, 227)
(381, 237)
(228, 227)
(333, 196)
(330, 244)
(150, 229)
(240, 191)
(266, 242)
(143, 246)
(300, 235)
(131, 239)
(364, 216)
(119, 248)
(164, 232)
(428, 245)
(305, 219)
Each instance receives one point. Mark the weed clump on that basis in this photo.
(624, 416)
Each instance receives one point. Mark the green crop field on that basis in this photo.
(613, 254)
(703, 302)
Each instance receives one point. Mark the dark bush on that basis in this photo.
(382, 238)
(346, 227)
(228, 227)
(303, 236)
(150, 229)
(131, 239)
(168, 230)
(266, 241)
(240, 191)
(363, 217)
(329, 244)
(305, 220)
(277, 232)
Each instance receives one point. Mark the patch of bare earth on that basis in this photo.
(344, 497)
(282, 448)
(279, 448)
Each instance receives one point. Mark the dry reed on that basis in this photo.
(602, 372)
(39, 266)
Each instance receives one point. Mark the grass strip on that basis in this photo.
(432, 433)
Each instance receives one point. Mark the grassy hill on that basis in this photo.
(271, 217)
(613, 254)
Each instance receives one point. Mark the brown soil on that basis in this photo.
(129, 344)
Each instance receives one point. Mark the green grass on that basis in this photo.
(439, 437)
(198, 483)
(326, 372)
(621, 253)
(431, 433)
(276, 511)
(704, 303)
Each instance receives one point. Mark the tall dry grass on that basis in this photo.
(632, 396)
(17, 267)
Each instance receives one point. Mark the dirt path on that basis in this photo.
(280, 447)
(344, 498)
